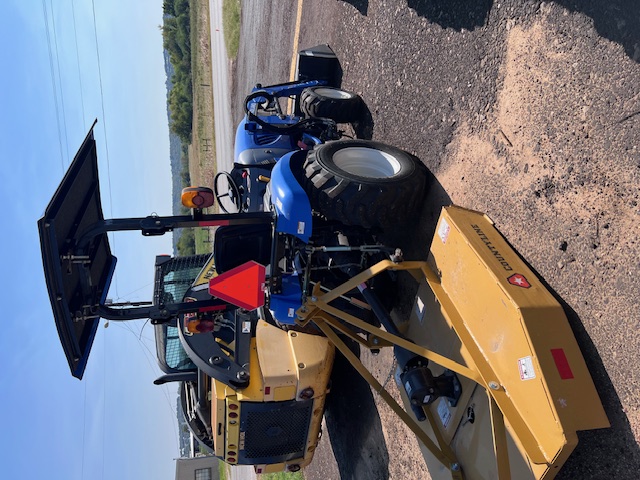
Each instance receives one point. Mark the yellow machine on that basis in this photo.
(272, 421)
(290, 372)
(290, 366)
(494, 384)
(482, 313)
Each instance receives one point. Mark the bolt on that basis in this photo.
(455, 467)
(242, 375)
(494, 385)
(314, 299)
(294, 334)
(215, 360)
(375, 341)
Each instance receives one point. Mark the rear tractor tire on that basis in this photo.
(364, 183)
(328, 102)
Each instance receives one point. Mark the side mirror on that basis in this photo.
(197, 197)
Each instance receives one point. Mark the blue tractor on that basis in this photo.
(309, 205)
(329, 195)
(356, 182)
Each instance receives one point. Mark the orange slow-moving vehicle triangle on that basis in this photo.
(242, 286)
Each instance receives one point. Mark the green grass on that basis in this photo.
(281, 476)
(231, 26)
(222, 470)
(203, 241)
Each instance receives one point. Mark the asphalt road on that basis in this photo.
(527, 111)
(224, 126)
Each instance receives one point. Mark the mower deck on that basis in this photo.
(482, 313)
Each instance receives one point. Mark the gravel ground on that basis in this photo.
(528, 111)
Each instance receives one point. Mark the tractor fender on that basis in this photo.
(319, 63)
(291, 203)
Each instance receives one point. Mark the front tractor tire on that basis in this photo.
(364, 183)
(328, 102)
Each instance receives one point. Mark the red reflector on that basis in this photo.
(267, 390)
(231, 460)
(233, 415)
(233, 406)
(562, 364)
(213, 308)
(213, 223)
(242, 286)
(258, 470)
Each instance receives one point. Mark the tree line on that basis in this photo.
(176, 36)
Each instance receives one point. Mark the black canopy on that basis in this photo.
(77, 280)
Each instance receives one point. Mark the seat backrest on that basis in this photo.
(237, 244)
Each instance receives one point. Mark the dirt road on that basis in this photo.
(528, 111)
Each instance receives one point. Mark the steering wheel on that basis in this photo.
(232, 191)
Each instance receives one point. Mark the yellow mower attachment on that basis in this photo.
(482, 313)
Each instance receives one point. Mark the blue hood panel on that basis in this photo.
(258, 147)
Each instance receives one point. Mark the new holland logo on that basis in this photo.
(518, 280)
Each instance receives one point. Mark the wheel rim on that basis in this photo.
(366, 162)
(333, 93)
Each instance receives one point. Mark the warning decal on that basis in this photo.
(525, 366)
(444, 413)
(242, 286)
(443, 230)
(519, 280)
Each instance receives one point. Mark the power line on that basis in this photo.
(128, 295)
(104, 129)
(64, 113)
(150, 357)
(75, 34)
(53, 81)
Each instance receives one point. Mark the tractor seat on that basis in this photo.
(237, 244)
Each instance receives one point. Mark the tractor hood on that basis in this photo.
(77, 284)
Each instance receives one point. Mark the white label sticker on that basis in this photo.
(300, 228)
(407, 387)
(444, 413)
(291, 313)
(246, 327)
(443, 230)
(525, 366)
(420, 309)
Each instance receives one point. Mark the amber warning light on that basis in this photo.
(242, 286)
(197, 197)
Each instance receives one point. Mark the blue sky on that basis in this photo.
(114, 424)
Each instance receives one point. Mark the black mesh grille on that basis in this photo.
(175, 276)
(275, 432)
